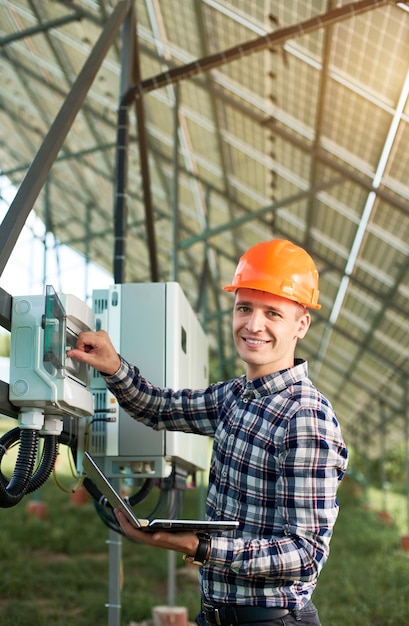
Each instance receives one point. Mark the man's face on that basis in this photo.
(266, 329)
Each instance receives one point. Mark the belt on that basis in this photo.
(223, 615)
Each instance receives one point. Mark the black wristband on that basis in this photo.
(201, 552)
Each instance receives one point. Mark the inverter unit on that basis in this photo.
(153, 326)
(42, 377)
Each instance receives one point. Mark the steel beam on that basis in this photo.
(273, 40)
(41, 28)
(33, 182)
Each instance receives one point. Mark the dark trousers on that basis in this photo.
(307, 616)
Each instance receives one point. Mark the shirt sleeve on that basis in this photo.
(193, 411)
(312, 462)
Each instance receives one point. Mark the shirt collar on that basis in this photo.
(276, 382)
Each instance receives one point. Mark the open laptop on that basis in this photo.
(95, 474)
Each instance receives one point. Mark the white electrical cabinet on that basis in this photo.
(42, 377)
(153, 326)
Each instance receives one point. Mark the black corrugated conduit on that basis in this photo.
(23, 480)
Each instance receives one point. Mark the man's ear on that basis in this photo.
(303, 324)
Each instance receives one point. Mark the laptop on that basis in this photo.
(97, 476)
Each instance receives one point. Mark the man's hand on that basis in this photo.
(96, 349)
(185, 542)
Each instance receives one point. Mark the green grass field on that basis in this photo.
(55, 570)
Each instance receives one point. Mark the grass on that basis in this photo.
(395, 504)
(366, 579)
(56, 570)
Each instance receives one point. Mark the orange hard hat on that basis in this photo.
(279, 267)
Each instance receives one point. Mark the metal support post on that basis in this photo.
(406, 418)
(382, 432)
(114, 578)
(43, 161)
(175, 188)
(171, 578)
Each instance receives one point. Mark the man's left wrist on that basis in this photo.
(202, 553)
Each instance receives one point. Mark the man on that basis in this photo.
(278, 454)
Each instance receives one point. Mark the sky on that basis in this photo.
(38, 260)
(33, 265)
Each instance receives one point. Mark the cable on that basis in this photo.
(23, 481)
(169, 504)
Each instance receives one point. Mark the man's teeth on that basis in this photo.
(255, 342)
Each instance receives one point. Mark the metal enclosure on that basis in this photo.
(41, 375)
(153, 326)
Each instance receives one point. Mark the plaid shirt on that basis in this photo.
(278, 458)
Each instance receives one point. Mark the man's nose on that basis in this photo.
(255, 321)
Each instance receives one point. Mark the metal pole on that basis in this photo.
(274, 39)
(175, 187)
(37, 173)
(42, 28)
(171, 578)
(382, 432)
(275, 206)
(114, 588)
(174, 277)
(120, 209)
(120, 218)
(406, 418)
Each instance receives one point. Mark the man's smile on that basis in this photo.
(255, 342)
